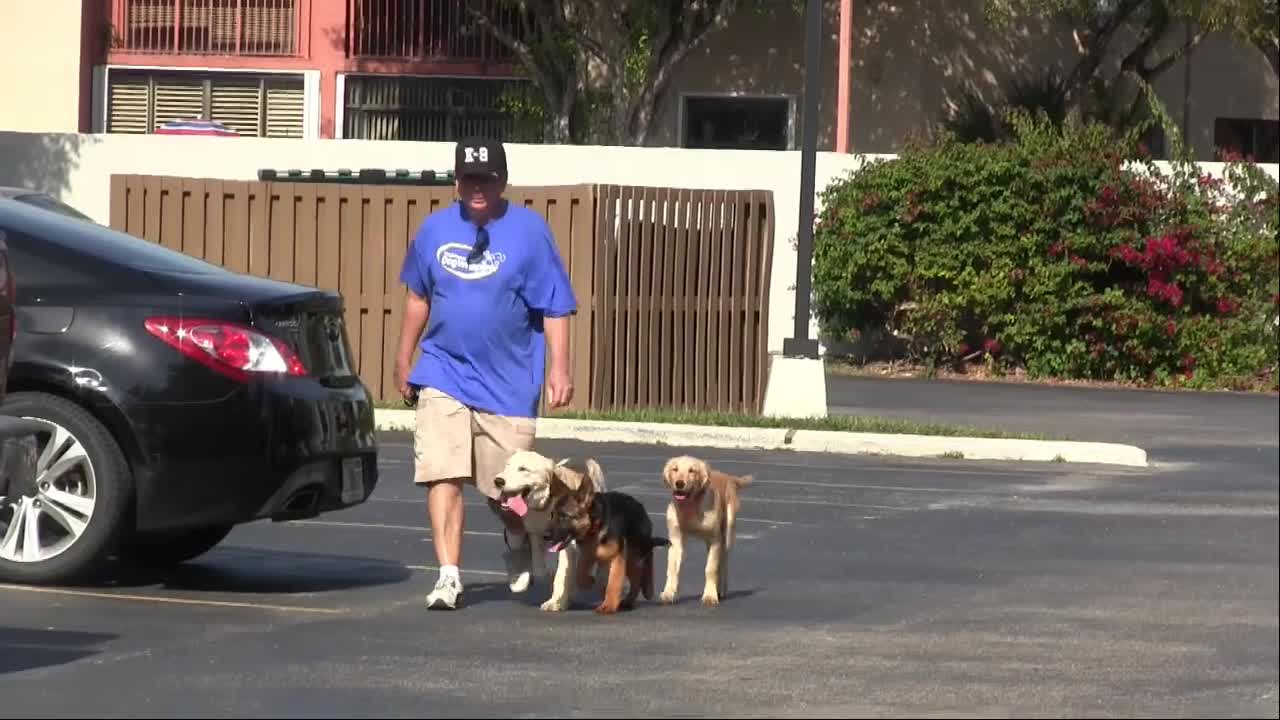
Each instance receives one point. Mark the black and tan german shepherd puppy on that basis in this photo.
(613, 531)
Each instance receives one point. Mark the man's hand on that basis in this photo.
(559, 386)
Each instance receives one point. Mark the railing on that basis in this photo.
(428, 30)
(207, 27)
(672, 285)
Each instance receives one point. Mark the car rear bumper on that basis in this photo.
(273, 450)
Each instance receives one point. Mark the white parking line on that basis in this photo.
(384, 526)
(784, 501)
(464, 571)
(766, 521)
(172, 600)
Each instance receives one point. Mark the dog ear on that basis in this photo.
(567, 477)
(596, 473)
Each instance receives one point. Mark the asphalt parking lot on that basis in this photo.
(861, 586)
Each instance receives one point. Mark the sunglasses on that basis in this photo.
(480, 246)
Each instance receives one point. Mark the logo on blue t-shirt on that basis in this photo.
(453, 258)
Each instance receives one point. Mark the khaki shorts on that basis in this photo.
(452, 441)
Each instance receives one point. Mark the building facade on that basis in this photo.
(411, 70)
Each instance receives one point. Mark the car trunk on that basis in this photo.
(313, 325)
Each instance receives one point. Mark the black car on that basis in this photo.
(178, 399)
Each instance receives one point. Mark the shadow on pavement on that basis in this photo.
(27, 649)
(253, 571)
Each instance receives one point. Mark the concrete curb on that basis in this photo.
(816, 441)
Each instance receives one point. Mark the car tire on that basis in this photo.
(163, 550)
(101, 471)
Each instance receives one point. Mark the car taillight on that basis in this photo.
(233, 350)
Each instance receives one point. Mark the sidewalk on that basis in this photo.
(1152, 419)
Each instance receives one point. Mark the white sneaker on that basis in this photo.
(445, 595)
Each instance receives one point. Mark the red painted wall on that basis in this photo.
(322, 46)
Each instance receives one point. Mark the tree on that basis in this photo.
(1100, 24)
(603, 66)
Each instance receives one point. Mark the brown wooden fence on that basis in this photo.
(672, 285)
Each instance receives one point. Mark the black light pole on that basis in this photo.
(800, 344)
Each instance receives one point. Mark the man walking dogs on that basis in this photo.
(486, 282)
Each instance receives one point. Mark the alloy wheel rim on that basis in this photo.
(46, 522)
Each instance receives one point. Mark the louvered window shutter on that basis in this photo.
(178, 99)
(236, 103)
(127, 101)
(284, 107)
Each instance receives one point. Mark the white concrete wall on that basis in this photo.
(78, 168)
(40, 65)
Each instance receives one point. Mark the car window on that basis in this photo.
(103, 243)
(48, 203)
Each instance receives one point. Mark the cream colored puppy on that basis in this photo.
(704, 504)
(530, 484)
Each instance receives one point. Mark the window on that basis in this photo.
(440, 109)
(738, 123)
(1259, 139)
(254, 105)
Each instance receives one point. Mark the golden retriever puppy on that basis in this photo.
(530, 485)
(704, 504)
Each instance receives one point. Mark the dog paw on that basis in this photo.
(555, 605)
(521, 583)
(667, 597)
(710, 599)
(605, 608)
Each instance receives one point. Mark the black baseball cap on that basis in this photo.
(480, 156)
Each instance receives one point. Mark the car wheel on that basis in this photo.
(66, 524)
(166, 549)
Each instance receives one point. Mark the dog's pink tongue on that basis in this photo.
(517, 505)
(556, 547)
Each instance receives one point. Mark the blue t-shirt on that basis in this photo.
(484, 342)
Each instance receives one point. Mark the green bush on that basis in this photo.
(1059, 254)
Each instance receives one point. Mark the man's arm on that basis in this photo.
(416, 311)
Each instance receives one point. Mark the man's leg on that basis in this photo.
(444, 505)
(443, 462)
(496, 438)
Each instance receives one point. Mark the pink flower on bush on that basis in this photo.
(1170, 328)
(1167, 291)
(1079, 261)
(1227, 306)
(1055, 249)
(992, 346)
(1189, 362)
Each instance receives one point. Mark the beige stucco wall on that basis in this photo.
(910, 59)
(40, 65)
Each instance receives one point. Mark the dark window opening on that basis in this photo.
(737, 123)
(1250, 138)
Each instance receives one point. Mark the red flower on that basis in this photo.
(1189, 362)
(1171, 328)
(1080, 262)
(993, 346)
(1226, 306)
(1055, 249)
